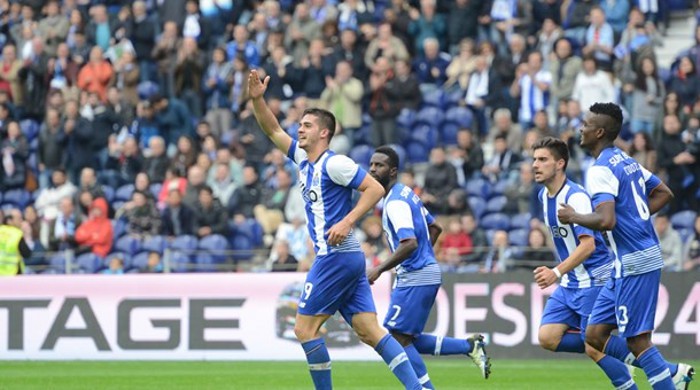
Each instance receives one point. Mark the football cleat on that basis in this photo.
(684, 376)
(478, 355)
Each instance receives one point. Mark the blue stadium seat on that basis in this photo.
(205, 262)
(139, 262)
(448, 133)
(19, 198)
(425, 134)
(361, 136)
(366, 119)
(417, 152)
(406, 118)
(242, 246)
(34, 145)
(520, 221)
(118, 227)
(124, 192)
(154, 244)
(109, 193)
(216, 245)
(155, 189)
(519, 237)
(57, 262)
(184, 243)
(88, 262)
(454, 98)
(684, 233)
(179, 262)
(435, 98)
(30, 128)
(478, 187)
(462, 116)
(495, 221)
(496, 204)
(401, 152)
(477, 206)
(684, 219)
(361, 154)
(499, 188)
(32, 162)
(146, 89)
(128, 244)
(431, 115)
(490, 234)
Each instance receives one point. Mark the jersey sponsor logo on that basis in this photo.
(559, 232)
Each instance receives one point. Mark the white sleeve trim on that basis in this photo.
(601, 180)
(399, 213)
(341, 169)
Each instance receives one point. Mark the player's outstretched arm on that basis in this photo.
(266, 119)
(545, 276)
(603, 218)
(659, 197)
(372, 192)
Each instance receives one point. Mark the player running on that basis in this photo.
(625, 195)
(411, 231)
(337, 280)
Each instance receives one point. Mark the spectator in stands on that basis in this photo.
(600, 40)
(62, 232)
(196, 180)
(461, 66)
(462, 23)
(564, 68)
(440, 180)
(123, 164)
(144, 125)
(155, 165)
(35, 82)
(507, 64)
(96, 233)
(48, 202)
(471, 153)
(210, 217)
(521, 193)
(177, 218)
(52, 145)
(374, 235)
(246, 197)
(53, 27)
(531, 85)
(483, 92)
(343, 96)
(504, 126)
(547, 38)
(592, 85)
(686, 84)
(406, 86)
(456, 238)
(647, 97)
(127, 76)
(101, 27)
(88, 182)
(285, 261)
(142, 32)
(576, 19)
(679, 163)
(506, 17)
(78, 130)
(670, 243)
(692, 255)
(385, 45)
(185, 157)
(383, 106)
(616, 14)
(141, 215)
(239, 87)
(256, 144)
(500, 253)
(10, 67)
(15, 151)
(96, 75)
(173, 181)
(431, 67)
(154, 264)
(116, 266)
(279, 67)
(503, 161)
(143, 183)
(347, 50)
(216, 83)
(173, 117)
(222, 185)
(537, 253)
(427, 23)
(302, 30)
(642, 150)
(165, 55)
(241, 45)
(309, 75)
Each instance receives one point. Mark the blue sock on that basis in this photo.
(427, 344)
(418, 366)
(617, 348)
(395, 357)
(319, 363)
(656, 368)
(571, 342)
(617, 373)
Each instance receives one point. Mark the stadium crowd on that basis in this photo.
(126, 129)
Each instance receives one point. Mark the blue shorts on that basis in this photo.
(409, 309)
(629, 303)
(570, 306)
(337, 282)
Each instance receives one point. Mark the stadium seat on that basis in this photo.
(32, 162)
(520, 221)
(109, 193)
(19, 198)
(146, 89)
(499, 188)
(478, 187)
(242, 246)
(495, 221)
(366, 119)
(435, 98)
(496, 204)
(124, 192)
(30, 128)
(128, 244)
(361, 154)
(433, 116)
(454, 98)
(490, 234)
(184, 243)
(406, 118)
(461, 116)
(477, 205)
(205, 262)
(685, 234)
(426, 134)
(57, 262)
(402, 154)
(448, 133)
(361, 136)
(213, 243)
(34, 145)
(139, 262)
(684, 219)
(519, 237)
(118, 227)
(154, 244)
(155, 189)
(179, 262)
(88, 263)
(417, 152)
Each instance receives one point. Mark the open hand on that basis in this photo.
(256, 88)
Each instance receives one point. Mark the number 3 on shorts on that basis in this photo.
(622, 318)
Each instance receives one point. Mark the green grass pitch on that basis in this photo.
(445, 373)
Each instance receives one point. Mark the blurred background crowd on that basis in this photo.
(128, 142)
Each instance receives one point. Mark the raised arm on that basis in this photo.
(266, 119)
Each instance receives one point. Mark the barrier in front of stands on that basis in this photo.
(250, 316)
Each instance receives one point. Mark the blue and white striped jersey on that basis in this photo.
(595, 270)
(404, 217)
(326, 186)
(616, 177)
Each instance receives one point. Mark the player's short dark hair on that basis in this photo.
(326, 119)
(614, 113)
(557, 147)
(391, 153)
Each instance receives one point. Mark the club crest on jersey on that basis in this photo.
(559, 232)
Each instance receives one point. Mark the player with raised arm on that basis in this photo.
(585, 263)
(625, 195)
(411, 231)
(337, 279)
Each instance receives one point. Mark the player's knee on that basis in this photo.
(548, 341)
(403, 339)
(304, 333)
(595, 339)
